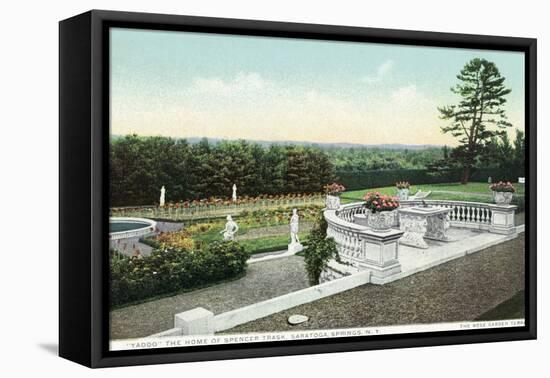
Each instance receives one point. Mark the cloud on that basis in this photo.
(381, 72)
(251, 106)
(405, 95)
(242, 83)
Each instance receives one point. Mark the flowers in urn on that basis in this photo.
(333, 192)
(334, 189)
(403, 188)
(376, 202)
(381, 217)
(503, 192)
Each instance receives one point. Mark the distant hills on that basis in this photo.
(384, 146)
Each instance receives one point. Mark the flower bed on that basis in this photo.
(217, 207)
(205, 232)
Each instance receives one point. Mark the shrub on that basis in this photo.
(519, 201)
(356, 180)
(319, 251)
(170, 270)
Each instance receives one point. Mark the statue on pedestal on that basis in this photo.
(230, 229)
(162, 196)
(234, 195)
(295, 245)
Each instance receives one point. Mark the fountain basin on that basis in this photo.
(125, 228)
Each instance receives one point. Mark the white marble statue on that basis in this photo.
(294, 226)
(295, 245)
(230, 229)
(162, 196)
(234, 195)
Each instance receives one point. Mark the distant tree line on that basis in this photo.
(356, 159)
(500, 159)
(140, 166)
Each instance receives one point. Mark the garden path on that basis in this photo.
(263, 280)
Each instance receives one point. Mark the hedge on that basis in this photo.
(381, 178)
(167, 271)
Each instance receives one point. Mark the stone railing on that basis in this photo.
(476, 215)
(362, 247)
(463, 214)
(349, 211)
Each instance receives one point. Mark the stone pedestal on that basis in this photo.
(381, 254)
(332, 202)
(403, 194)
(418, 223)
(295, 248)
(198, 321)
(502, 219)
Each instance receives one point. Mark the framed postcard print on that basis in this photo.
(234, 188)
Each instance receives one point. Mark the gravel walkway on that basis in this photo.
(263, 280)
(460, 290)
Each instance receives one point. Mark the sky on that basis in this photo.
(182, 84)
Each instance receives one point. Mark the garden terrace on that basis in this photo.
(473, 226)
(379, 258)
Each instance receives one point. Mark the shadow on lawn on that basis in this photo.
(513, 308)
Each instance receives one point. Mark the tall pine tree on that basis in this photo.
(479, 115)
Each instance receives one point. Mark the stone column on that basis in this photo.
(503, 219)
(381, 254)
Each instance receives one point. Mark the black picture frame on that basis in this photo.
(83, 197)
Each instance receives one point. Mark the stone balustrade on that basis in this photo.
(463, 214)
(477, 215)
(364, 248)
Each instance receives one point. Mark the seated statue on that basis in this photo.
(230, 229)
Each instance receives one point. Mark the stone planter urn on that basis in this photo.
(503, 198)
(403, 194)
(332, 202)
(381, 221)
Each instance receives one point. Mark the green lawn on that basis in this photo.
(469, 192)
(271, 244)
(256, 245)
